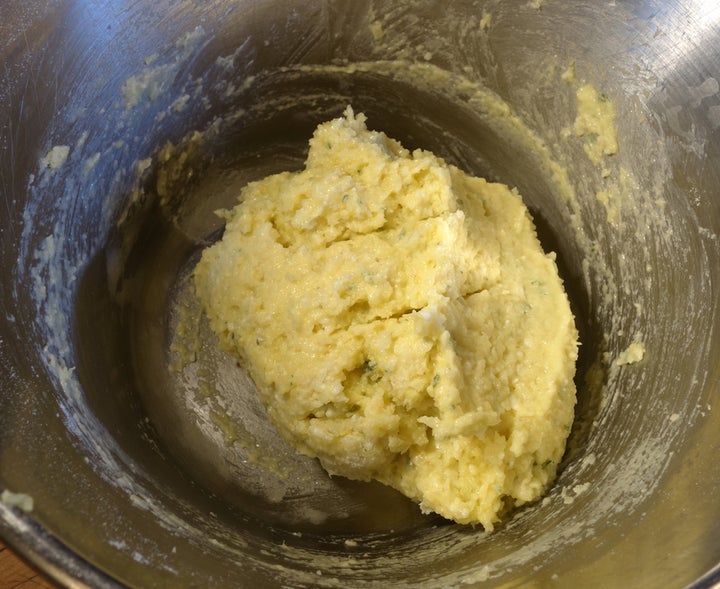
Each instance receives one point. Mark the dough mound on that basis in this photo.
(401, 322)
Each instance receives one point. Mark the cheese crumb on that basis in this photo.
(56, 157)
(20, 500)
(634, 353)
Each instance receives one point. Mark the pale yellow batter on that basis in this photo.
(401, 321)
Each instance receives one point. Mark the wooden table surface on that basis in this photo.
(15, 574)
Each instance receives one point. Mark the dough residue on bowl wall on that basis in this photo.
(22, 501)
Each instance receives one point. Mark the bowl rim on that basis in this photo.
(34, 544)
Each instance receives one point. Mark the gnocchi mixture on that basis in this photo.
(401, 321)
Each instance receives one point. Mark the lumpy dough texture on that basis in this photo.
(401, 322)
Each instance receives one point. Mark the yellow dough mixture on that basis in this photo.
(401, 322)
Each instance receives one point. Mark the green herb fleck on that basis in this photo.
(369, 368)
(435, 380)
(369, 365)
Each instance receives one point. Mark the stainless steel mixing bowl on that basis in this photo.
(124, 124)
